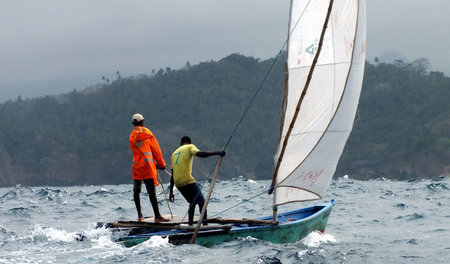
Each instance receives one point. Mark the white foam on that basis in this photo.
(105, 242)
(315, 239)
(302, 252)
(250, 238)
(155, 242)
(53, 234)
(93, 233)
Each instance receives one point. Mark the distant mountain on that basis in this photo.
(81, 137)
(38, 88)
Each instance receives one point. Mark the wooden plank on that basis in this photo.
(149, 222)
(165, 226)
(221, 220)
(176, 222)
(177, 219)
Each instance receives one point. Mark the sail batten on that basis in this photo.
(313, 136)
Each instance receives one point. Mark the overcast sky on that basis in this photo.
(76, 39)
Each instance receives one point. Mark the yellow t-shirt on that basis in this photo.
(182, 159)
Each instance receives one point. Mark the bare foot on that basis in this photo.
(161, 219)
(140, 218)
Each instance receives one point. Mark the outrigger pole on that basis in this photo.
(165, 195)
(202, 214)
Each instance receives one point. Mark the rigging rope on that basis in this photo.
(265, 77)
(253, 99)
(236, 205)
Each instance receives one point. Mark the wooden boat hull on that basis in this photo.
(292, 226)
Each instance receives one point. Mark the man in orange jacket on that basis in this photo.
(147, 157)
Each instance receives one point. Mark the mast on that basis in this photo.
(286, 77)
(299, 103)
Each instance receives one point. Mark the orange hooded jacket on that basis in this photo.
(147, 157)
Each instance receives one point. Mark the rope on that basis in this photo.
(236, 205)
(253, 99)
(265, 78)
(256, 93)
(258, 90)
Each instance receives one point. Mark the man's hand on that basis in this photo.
(222, 153)
(171, 197)
(161, 168)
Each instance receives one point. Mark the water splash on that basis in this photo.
(40, 233)
(155, 242)
(315, 239)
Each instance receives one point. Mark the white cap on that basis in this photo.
(137, 118)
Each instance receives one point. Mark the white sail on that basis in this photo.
(328, 109)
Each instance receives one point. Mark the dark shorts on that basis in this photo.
(149, 185)
(192, 193)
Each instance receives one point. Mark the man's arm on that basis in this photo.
(204, 154)
(157, 153)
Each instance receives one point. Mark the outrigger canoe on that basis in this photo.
(290, 227)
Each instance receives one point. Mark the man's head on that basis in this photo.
(137, 119)
(185, 140)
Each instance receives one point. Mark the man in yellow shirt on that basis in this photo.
(182, 160)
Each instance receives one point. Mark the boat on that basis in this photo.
(325, 56)
(290, 227)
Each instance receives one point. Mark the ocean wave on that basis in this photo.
(101, 193)
(4, 232)
(267, 260)
(12, 194)
(362, 226)
(20, 211)
(415, 216)
(49, 194)
(435, 187)
(401, 205)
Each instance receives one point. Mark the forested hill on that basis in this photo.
(82, 137)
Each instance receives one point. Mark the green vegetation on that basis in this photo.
(404, 123)
(82, 137)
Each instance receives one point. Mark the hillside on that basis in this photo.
(82, 137)
(403, 126)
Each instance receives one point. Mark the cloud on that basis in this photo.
(50, 39)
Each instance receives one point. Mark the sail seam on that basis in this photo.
(320, 65)
(299, 200)
(317, 132)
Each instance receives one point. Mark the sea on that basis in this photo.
(375, 221)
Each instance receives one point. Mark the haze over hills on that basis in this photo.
(82, 137)
(37, 88)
